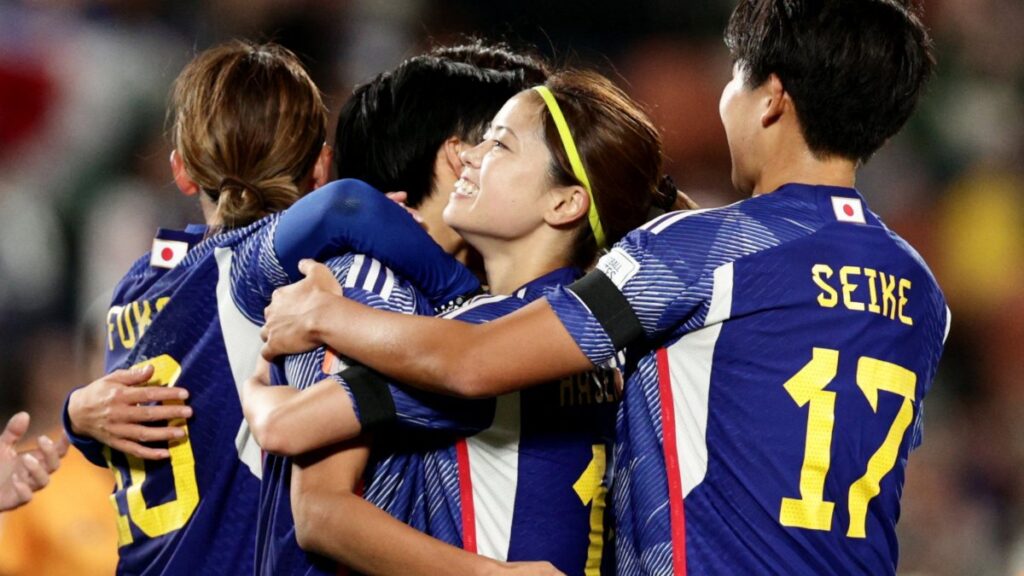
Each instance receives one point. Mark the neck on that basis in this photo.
(511, 264)
(795, 163)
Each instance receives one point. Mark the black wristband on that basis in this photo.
(371, 392)
(610, 307)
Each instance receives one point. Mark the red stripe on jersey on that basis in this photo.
(677, 517)
(466, 491)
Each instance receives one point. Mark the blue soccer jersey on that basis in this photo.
(528, 480)
(193, 513)
(364, 280)
(192, 308)
(780, 349)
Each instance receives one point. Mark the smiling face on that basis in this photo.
(506, 178)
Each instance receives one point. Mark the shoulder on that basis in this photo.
(362, 275)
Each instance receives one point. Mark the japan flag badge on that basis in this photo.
(167, 253)
(848, 209)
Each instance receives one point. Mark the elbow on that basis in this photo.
(271, 434)
(465, 381)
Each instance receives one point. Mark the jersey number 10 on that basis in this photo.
(167, 517)
(811, 510)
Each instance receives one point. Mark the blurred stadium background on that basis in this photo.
(84, 181)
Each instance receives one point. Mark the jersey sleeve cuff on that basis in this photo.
(91, 448)
(579, 321)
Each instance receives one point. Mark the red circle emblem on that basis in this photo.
(167, 254)
(848, 210)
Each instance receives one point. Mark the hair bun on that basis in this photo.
(243, 186)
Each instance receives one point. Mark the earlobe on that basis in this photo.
(182, 180)
(776, 101)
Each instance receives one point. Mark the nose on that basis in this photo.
(471, 156)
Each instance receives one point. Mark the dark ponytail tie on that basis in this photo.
(667, 190)
(664, 197)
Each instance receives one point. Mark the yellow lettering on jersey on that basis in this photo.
(871, 274)
(159, 519)
(883, 297)
(132, 320)
(874, 376)
(807, 387)
(124, 532)
(828, 297)
(904, 287)
(591, 490)
(888, 282)
(849, 287)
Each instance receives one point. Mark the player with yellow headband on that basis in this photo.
(562, 169)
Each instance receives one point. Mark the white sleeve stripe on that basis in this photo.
(353, 271)
(371, 275)
(657, 225)
(949, 323)
(389, 284)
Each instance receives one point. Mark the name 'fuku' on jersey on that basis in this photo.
(192, 513)
(767, 432)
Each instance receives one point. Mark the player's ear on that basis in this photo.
(451, 148)
(184, 182)
(322, 168)
(566, 205)
(777, 100)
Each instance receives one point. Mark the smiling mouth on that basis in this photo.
(465, 188)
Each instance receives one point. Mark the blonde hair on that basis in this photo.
(249, 124)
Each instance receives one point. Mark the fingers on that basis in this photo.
(399, 197)
(35, 474)
(306, 266)
(156, 413)
(268, 352)
(132, 377)
(15, 429)
(47, 453)
(22, 490)
(138, 433)
(150, 394)
(140, 451)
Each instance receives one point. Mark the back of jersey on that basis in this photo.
(193, 513)
(790, 398)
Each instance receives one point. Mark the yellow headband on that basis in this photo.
(574, 160)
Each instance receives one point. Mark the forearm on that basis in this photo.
(331, 520)
(357, 534)
(450, 357)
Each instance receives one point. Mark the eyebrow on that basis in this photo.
(498, 127)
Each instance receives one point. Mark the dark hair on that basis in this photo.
(854, 68)
(249, 124)
(391, 128)
(620, 150)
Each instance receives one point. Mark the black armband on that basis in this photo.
(609, 307)
(371, 392)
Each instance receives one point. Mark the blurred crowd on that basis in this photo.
(84, 182)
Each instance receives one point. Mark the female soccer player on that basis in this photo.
(780, 347)
(249, 128)
(537, 218)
